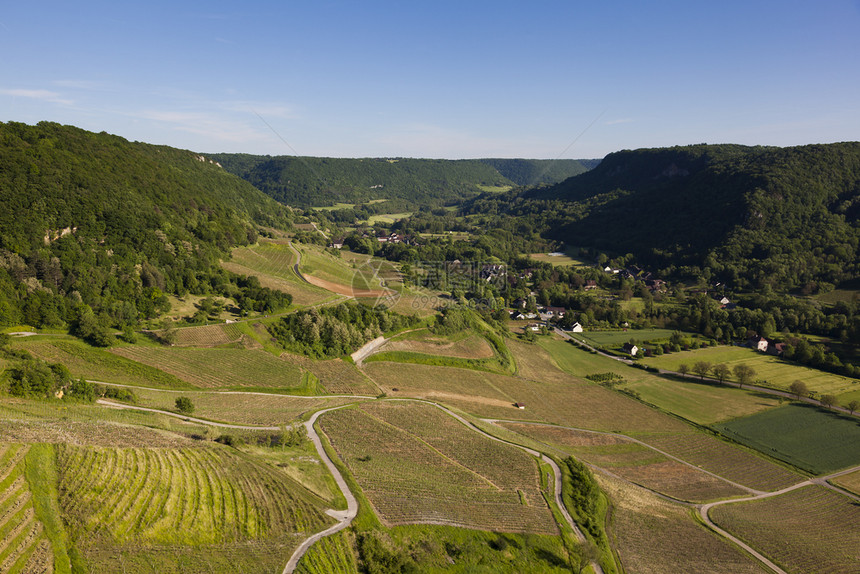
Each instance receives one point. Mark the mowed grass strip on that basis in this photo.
(774, 371)
(101, 365)
(811, 529)
(654, 536)
(633, 462)
(218, 368)
(803, 435)
(191, 496)
(416, 464)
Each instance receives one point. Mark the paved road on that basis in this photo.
(346, 517)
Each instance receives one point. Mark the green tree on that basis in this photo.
(184, 405)
(744, 374)
(798, 389)
(702, 368)
(852, 406)
(828, 401)
(721, 371)
(683, 368)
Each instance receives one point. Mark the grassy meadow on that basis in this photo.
(818, 441)
(771, 370)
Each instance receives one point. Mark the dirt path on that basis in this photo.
(186, 418)
(344, 517)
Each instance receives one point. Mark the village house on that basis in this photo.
(758, 343)
(630, 349)
(576, 328)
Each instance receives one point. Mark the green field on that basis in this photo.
(387, 218)
(569, 257)
(272, 263)
(618, 337)
(773, 371)
(805, 436)
(701, 402)
(97, 364)
(222, 368)
(326, 266)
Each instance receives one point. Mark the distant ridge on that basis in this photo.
(317, 181)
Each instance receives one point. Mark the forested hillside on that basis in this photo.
(539, 171)
(315, 181)
(318, 181)
(97, 229)
(749, 216)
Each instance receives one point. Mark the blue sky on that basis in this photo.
(440, 79)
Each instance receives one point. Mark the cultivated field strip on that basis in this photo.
(23, 544)
(418, 465)
(730, 462)
(810, 529)
(208, 335)
(179, 496)
(215, 368)
(336, 375)
(633, 462)
(654, 536)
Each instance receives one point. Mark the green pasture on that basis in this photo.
(576, 361)
(703, 403)
(387, 218)
(325, 266)
(772, 371)
(810, 438)
(616, 338)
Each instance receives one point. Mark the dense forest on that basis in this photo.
(98, 230)
(746, 216)
(315, 181)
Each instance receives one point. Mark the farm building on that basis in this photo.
(758, 343)
(630, 349)
(520, 405)
(576, 328)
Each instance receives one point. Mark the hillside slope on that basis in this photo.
(752, 215)
(94, 219)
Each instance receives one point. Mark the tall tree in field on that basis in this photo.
(744, 374)
(798, 389)
(721, 371)
(701, 368)
(683, 369)
(828, 401)
(852, 406)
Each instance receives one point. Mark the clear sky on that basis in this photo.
(446, 79)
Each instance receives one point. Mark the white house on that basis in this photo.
(576, 328)
(630, 349)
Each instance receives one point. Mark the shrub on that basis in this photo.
(184, 405)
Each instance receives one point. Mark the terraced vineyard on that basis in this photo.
(24, 546)
(418, 465)
(733, 463)
(811, 529)
(272, 264)
(654, 536)
(100, 364)
(208, 335)
(196, 497)
(633, 462)
(339, 377)
(218, 368)
(468, 347)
